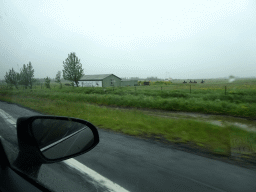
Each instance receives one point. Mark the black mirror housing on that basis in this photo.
(29, 144)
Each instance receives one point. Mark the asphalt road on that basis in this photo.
(136, 165)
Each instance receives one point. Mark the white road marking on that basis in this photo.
(8, 118)
(96, 177)
(101, 181)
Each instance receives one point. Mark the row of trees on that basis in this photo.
(25, 77)
(72, 71)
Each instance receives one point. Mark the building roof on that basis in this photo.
(95, 77)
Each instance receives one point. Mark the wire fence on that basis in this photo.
(188, 88)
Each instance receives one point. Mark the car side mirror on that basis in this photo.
(51, 139)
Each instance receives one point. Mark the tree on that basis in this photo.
(12, 78)
(26, 75)
(57, 78)
(47, 82)
(72, 69)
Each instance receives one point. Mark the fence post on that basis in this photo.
(190, 88)
(161, 88)
(225, 90)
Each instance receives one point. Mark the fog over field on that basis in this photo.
(178, 39)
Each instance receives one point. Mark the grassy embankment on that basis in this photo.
(204, 98)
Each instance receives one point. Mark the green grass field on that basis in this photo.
(204, 98)
(238, 100)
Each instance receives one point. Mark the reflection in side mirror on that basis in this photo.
(59, 138)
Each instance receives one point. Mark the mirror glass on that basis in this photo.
(58, 138)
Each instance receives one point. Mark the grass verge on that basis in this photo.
(215, 139)
(211, 103)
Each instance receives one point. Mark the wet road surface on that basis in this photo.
(136, 164)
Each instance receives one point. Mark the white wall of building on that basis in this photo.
(90, 83)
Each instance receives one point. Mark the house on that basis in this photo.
(103, 80)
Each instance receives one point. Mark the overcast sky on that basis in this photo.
(178, 39)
